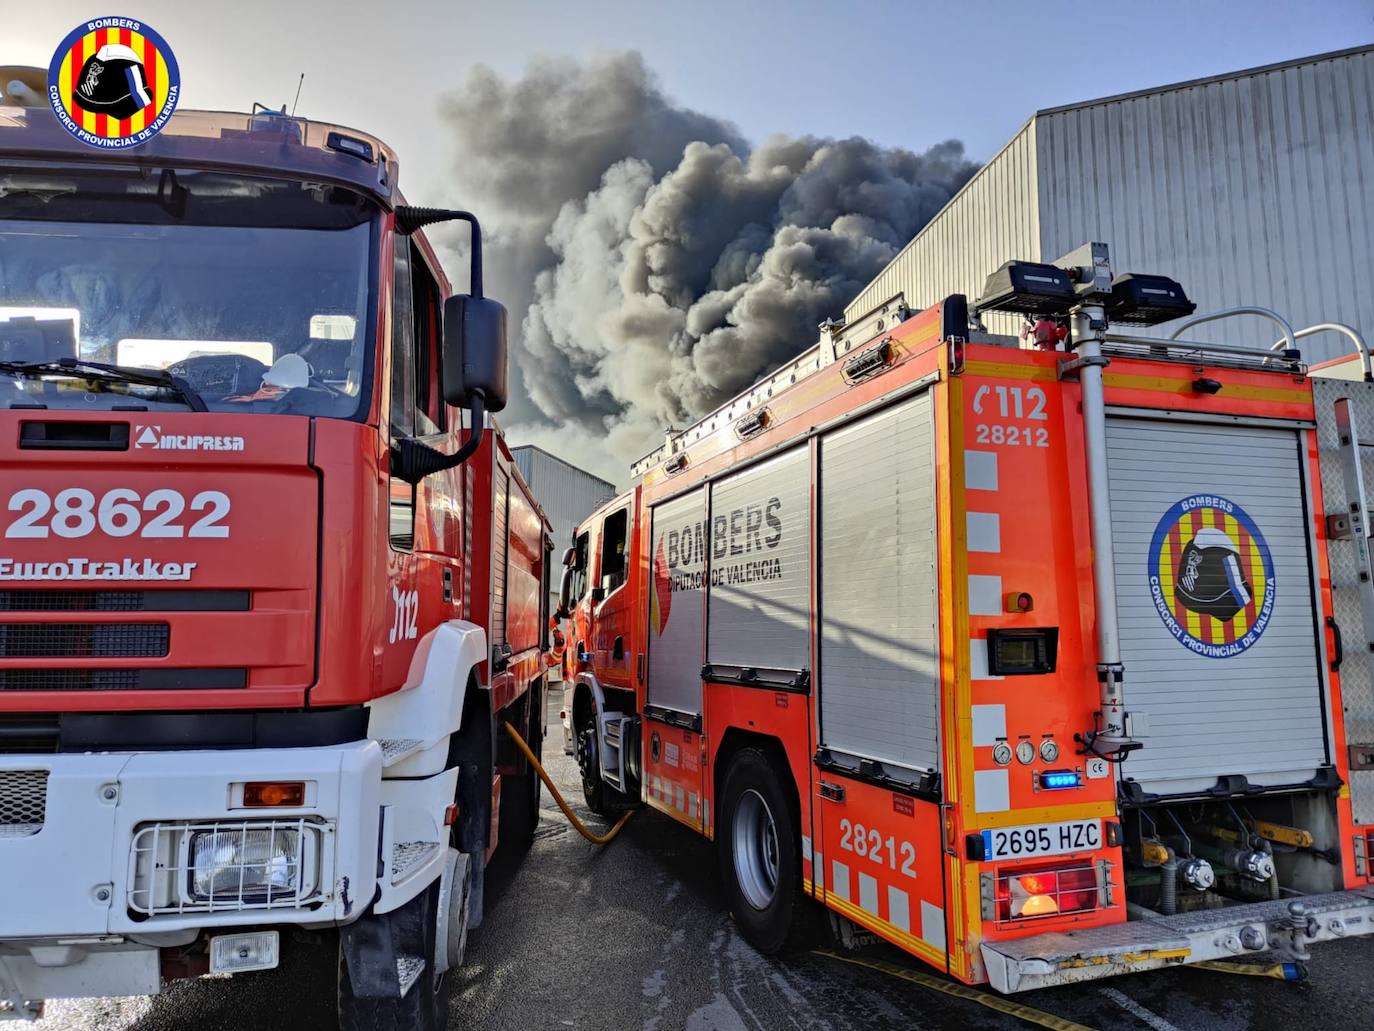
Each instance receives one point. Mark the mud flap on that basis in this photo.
(377, 947)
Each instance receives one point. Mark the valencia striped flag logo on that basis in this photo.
(1211, 576)
(113, 83)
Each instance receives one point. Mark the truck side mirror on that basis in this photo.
(474, 355)
(475, 351)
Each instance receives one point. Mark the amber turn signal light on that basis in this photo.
(273, 793)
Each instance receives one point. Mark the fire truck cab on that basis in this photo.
(270, 582)
(1043, 661)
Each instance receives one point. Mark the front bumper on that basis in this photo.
(77, 919)
(1287, 926)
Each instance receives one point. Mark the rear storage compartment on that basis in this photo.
(1233, 798)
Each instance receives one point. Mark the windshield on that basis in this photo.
(256, 293)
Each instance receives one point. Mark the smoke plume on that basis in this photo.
(654, 262)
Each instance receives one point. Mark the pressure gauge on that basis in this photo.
(1049, 751)
(1001, 753)
(1025, 753)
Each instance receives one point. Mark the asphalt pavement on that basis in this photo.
(636, 935)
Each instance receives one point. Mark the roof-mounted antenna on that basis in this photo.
(298, 95)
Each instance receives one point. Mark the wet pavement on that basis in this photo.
(636, 935)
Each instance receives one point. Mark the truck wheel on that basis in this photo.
(595, 790)
(423, 1008)
(760, 855)
(519, 815)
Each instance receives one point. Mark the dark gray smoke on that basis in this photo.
(655, 264)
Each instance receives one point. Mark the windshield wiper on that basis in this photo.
(99, 372)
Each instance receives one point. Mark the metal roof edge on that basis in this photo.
(561, 461)
(1028, 124)
(1295, 62)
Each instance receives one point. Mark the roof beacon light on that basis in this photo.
(1030, 288)
(1142, 300)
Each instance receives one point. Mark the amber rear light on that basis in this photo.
(272, 794)
(1025, 893)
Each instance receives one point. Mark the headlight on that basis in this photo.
(218, 865)
(245, 864)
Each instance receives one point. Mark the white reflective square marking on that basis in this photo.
(868, 894)
(933, 925)
(991, 791)
(984, 532)
(899, 909)
(980, 470)
(989, 724)
(984, 595)
(839, 879)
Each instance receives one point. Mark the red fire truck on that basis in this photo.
(268, 584)
(1043, 662)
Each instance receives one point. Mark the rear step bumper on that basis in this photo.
(1287, 926)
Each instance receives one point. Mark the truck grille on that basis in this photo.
(83, 640)
(122, 679)
(23, 802)
(166, 600)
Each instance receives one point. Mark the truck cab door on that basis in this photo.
(612, 606)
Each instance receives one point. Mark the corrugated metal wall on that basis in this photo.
(993, 218)
(1250, 190)
(1256, 188)
(567, 494)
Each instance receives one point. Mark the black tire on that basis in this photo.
(595, 791)
(519, 816)
(765, 897)
(425, 1007)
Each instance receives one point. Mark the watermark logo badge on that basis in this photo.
(1211, 576)
(113, 83)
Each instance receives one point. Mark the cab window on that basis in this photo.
(579, 576)
(614, 544)
(417, 407)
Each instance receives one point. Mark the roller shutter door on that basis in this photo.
(879, 686)
(1214, 588)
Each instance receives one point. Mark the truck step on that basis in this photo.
(1064, 957)
(395, 749)
(408, 855)
(408, 971)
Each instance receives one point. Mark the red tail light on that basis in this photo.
(1024, 893)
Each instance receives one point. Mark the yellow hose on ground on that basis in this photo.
(1274, 970)
(1000, 1003)
(595, 839)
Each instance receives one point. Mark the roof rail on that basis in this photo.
(1226, 313)
(1336, 327)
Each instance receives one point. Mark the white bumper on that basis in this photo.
(77, 920)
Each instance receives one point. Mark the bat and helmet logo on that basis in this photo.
(113, 83)
(1211, 576)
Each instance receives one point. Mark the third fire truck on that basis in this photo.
(1043, 662)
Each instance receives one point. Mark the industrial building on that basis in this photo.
(566, 493)
(1250, 188)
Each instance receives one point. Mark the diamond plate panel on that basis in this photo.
(1347, 564)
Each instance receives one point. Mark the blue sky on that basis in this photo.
(905, 74)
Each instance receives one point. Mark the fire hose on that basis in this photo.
(594, 838)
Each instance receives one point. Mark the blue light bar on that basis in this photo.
(1056, 780)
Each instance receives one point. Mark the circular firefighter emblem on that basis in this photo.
(1211, 576)
(113, 83)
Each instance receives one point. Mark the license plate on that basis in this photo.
(1042, 839)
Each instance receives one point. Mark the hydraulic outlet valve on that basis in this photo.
(1197, 873)
(1258, 866)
